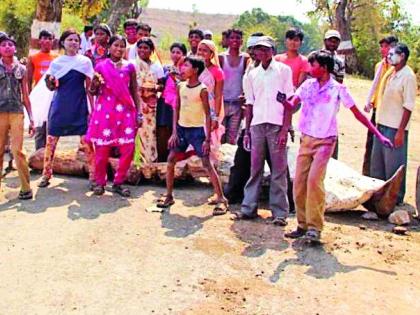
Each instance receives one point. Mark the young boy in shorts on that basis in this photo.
(320, 97)
(191, 126)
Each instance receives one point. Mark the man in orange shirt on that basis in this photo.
(38, 64)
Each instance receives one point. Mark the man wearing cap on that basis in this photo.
(265, 128)
(332, 40)
(13, 98)
(208, 34)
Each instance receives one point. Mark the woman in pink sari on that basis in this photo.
(115, 117)
(213, 78)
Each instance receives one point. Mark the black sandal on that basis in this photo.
(242, 216)
(298, 233)
(165, 203)
(98, 190)
(120, 190)
(220, 208)
(25, 195)
(45, 182)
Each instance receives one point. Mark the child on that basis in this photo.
(191, 126)
(320, 97)
(13, 97)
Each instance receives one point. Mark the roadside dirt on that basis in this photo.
(68, 252)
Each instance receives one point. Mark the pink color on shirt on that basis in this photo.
(298, 65)
(217, 73)
(320, 106)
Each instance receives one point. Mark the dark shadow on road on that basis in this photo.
(322, 264)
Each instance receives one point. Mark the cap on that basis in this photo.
(265, 41)
(8, 38)
(207, 32)
(331, 34)
(252, 40)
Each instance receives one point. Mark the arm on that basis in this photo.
(366, 122)
(27, 103)
(30, 73)
(134, 91)
(204, 95)
(302, 77)
(218, 95)
(88, 90)
(399, 136)
(173, 140)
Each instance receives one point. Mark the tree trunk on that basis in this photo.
(343, 17)
(118, 9)
(48, 17)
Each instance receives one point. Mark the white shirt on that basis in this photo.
(262, 86)
(85, 44)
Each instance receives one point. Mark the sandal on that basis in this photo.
(313, 236)
(298, 233)
(120, 190)
(25, 195)
(221, 208)
(45, 182)
(165, 203)
(98, 190)
(238, 215)
(92, 185)
(212, 201)
(279, 221)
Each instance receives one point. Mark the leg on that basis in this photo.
(303, 164)
(368, 147)
(234, 124)
(214, 178)
(101, 162)
(377, 159)
(226, 122)
(90, 156)
(279, 203)
(335, 153)
(252, 187)
(170, 171)
(49, 156)
(394, 158)
(16, 144)
(4, 131)
(124, 164)
(40, 136)
(315, 200)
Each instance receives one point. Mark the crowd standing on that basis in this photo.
(114, 92)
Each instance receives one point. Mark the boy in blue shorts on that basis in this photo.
(191, 126)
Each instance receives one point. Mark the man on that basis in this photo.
(297, 62)
(85, 39)
(13, 97)
(240, 171)
(130, 31)
(38, 64)
(195, 36)
(381, 68)
(208, 34)
(398, 99)
(224, 42)
(142, 30)
(265, 127)
(332, 40)
(233, 63)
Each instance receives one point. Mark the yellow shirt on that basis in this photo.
(376, 98)
(399, 94)
(191, 112)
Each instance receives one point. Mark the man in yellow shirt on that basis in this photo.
(393, 115)
(382, 71)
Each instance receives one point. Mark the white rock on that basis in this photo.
(370, 216)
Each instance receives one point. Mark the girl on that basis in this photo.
(167, 101)
(114, 119)
(99, 50)
(68, 115)
(213, 78)
(149, 80)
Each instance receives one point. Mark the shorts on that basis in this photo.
(194, 136)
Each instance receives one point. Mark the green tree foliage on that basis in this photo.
(15, 19)
(276, 26)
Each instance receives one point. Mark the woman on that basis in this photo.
(99, 51)
(68, 114)
(149, 79)
(114, 119)
(213, 78)
(167, 101)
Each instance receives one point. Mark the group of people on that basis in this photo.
(115, 93)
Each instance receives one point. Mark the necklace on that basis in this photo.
(117, 64)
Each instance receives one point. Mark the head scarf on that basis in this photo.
(212, 46)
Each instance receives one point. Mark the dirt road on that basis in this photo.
(68, 252)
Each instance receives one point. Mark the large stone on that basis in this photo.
(399, 217)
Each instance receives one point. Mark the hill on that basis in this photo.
(177, 23)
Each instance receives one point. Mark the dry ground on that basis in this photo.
(69, 252)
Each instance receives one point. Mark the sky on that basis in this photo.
(274, 7)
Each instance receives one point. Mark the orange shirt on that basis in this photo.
(41, 62)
